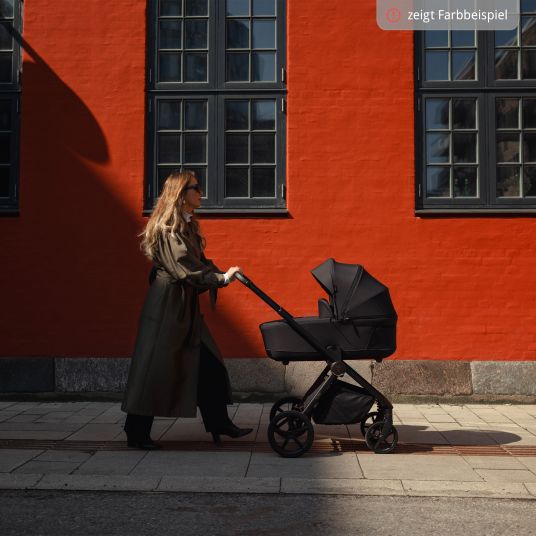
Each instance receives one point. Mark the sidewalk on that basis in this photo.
(444, 450)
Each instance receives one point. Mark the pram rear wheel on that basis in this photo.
(368, 421)
(377, 441)
(288, 403)
(290, 434)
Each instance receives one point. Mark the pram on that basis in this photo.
(358, 322)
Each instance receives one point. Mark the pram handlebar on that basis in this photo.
(328, 353)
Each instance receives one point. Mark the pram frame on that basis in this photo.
(335, 365)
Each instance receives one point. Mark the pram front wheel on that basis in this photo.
(377, 441)
(368, 421)
(288, 403)
(290, 434)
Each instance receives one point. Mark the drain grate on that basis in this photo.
(318, 447)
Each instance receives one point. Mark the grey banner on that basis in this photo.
(451, 14)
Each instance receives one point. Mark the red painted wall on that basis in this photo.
(73, 280)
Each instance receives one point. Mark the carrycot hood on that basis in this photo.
(353, 291)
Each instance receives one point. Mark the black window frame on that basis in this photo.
(486, 89)
(216, 90)
(11, 92)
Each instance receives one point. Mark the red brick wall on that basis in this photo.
(73, 280)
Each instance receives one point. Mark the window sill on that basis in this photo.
(245, 212)
(9, 211)
(476, 211)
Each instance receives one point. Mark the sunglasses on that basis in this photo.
(196, 187)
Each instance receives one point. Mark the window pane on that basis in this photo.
(529, 181)
(236, 182)
(5, 148)
(439, 38)
(195, 148)
(169, 115)
(263, 148)
(464, 147)
(6, 41)
(237, 33)
(238, 66)
(238, 8)
(438, 182)
(195, 8)
(508, 147)
(170, 8)
(528, 63)
(505, 64)
(236, 115)
(4, 182)
(462, 38)
(263, 34)
(170, 34)
(163, 173)
(463, 65)
(263, 115)
(195, 115)
(195, 34)
(506, 38)
(5, 67)
(437, 65)
(5, 115)
(263, 8)
(263, 182)
(528, 31)
(463, 113)
(528, 6)
(6, 9)
(529, 113)
(437, 148)
(169, 148)
(508, 181)
(263, 66)
(437, 113)
(529, 147)
(236, 149)
(507, 113)
(196, 66)
(465, 181)
(169, 67)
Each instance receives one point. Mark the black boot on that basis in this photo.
(230, 430)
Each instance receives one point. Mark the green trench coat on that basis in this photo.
(165, 365)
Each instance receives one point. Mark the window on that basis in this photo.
(216, 100)
(10, 26)
(476, 118)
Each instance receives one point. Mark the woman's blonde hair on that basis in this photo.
(167, 216)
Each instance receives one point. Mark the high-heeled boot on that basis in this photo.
(230, 430)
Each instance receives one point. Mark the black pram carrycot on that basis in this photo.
(359, 318)
(358, 322)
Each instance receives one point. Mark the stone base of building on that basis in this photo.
(264, 379)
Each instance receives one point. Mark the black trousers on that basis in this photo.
(211, 399)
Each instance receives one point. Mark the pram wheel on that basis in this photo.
(288, 403)
(290, 434)
(368, 421)
(379, 443)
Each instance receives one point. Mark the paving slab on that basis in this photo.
(415, 467)
(15, 481)
(248, 414)
(23, 417)
(219, 485)
(532, 488)
(53, 455)
(529, 463)
(501, 490)
(96, 432)
(221, 464)
(506, 475)
(39, 467)
(493, 462)
(194, 431)
(341, 486)
(99, 482)
(10, 459)
(111, 463)
(38, 427)
(33, 434)
(332, 465)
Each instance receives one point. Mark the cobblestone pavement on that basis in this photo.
(444, 450)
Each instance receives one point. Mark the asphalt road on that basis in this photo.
(32, 513)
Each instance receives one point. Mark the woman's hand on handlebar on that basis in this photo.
(232, 271)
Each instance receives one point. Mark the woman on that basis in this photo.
(176, 364)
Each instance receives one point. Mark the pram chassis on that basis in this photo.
(377, 433)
